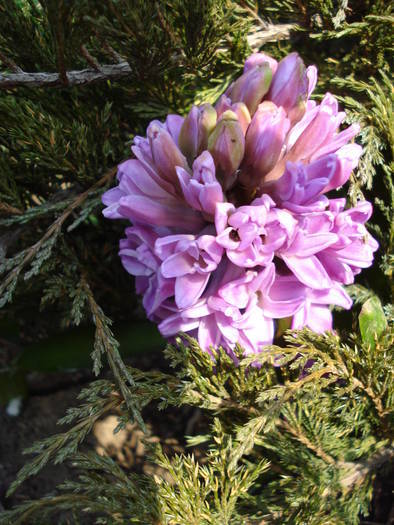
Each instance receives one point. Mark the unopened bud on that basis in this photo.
(264, 142)
(239, 108)
(188, 136)
(165, 153)
(289, 87)
(208, 119)
(251, 87)
(227, 145)
(243, 115)
(193, 137)
(257, 59)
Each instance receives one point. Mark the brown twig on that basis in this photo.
(84, 76)
(113, 53)
(90, 59)
(357, 471)
(375, 399)
(296, 432)
(7, 208)
(269, 33)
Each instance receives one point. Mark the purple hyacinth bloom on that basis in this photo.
(190, 261)
(165, 153)
(202, 190)
(301, 186)
(238, 315)
(355, 246)
(138, 258)
(174, 125)
(140, 198)
(348, 156)
(289, 87)
(229, 314)
(242, 233)
(252, 234)
(166, 134)
(315, 312)
(316, 135)
(301, 257)
(232, 227)
(308, 307)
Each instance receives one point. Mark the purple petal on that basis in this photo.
(317, 318)
(177, 265)
(174, 124)
(284, 298)
(174, 324)
(309, 270)
(307, 245)
(145, 210)
(222, 213)
(208, 333)
(189, 288)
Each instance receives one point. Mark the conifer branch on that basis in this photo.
(99, 400)
(105, 342)
(297, 433)
(50, 501)
(52, 232)
(74, 78)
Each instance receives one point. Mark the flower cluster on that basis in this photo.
(231, 228)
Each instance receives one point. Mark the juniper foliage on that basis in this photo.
(299, 443)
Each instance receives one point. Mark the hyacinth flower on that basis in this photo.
(138, 258)
(201, 190)
(232, 220)
(190, 261)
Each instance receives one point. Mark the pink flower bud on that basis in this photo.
(257, 59)
(165, 152)
(239, 108)
(243, 115)
(188, 136)
(251, 87)
(289, 87)
(227, 145)
(193, 137)
(264, 142)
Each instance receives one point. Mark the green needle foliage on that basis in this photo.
(298, 435)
